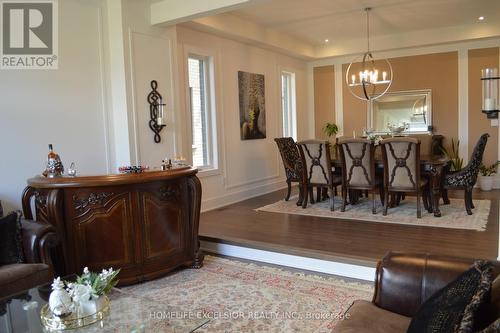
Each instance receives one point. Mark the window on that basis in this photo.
(202, 120)
(288, 105)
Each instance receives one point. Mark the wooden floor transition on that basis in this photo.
(340, 240)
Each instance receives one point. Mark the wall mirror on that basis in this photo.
(409, 112)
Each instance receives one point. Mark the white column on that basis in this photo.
(463, 103)
(339, 104)
(310, 96)
(120, 143)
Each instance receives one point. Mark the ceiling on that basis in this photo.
(313, 21)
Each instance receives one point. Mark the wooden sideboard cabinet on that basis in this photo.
(145, 224)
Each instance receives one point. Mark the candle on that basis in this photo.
(353, 79)
(384, 76)
(375, 76)
(354, 134)
(160, 119)
(361, 77)
(489, 104)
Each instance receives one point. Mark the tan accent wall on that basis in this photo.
(438, 72)
(324, 98)
(478, 123)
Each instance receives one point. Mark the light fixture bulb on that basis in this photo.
(480, 18)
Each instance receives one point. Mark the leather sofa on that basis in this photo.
(402, 283)
(38, 240)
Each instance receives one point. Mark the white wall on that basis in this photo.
(150, 54)
(252, 167)
(66, 107)
(94, 109)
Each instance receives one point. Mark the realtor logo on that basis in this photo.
(29, 34)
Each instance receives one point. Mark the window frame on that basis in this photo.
(213, 168)
(289, 126)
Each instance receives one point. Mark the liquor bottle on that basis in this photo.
(54, 166)
(51, 156)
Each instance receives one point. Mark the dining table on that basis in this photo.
(431, 167)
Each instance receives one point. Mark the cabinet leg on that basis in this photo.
(198, 259)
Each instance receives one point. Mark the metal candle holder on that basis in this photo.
(156, 111)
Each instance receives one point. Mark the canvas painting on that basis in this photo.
(252, 106)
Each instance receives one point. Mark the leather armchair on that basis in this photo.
(403, 282)
(38, 240)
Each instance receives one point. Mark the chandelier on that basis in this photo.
(368, 78)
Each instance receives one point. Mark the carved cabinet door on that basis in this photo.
(164, 213)
(101, 230)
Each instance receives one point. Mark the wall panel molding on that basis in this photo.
(463, 103)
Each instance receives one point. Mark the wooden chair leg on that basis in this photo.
(386, 202)
(305, 195)
(470, 199)
(374, 211)
(289, 191)
(468, 208)
(301, 195)
(399, 197)
(319, 190)
(425, 199)
(430, 203)
(344, 199)
(419, 211)
(331, 198)
(311, 195)
(444, 194)
(392, 202)
(382, 195)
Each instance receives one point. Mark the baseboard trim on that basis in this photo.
(234, 197)
(310, 264)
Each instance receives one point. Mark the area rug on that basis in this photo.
(246, 297)
(453, 216)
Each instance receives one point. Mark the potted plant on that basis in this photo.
(486, 176)
(457, 162)
(331, 129)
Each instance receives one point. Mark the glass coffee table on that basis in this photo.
(128, 313)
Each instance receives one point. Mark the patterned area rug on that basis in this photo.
(453, 216)
(245, 297)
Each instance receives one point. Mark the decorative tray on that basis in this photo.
(52, 322)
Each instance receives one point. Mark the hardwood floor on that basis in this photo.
(343, 240)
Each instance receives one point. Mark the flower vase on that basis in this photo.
(90, 307)
(485, 183)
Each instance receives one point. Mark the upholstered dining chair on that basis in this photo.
(291, 161)
(402, 170)
(466, 178)
(317, 171)
(358, 168)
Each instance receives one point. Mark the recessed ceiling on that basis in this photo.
(314, 21)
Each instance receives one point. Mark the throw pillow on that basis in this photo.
(454, 308)
(11, 247)
(493, 328)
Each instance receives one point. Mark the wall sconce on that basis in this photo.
(490, 78)
(156, 111)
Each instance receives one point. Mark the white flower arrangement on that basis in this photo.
(375, 139)
(83, 294)
(91, 285)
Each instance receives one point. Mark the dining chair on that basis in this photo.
(466, 178)
(317, 171)
(291, 161)
(401, 157)
(358, 168)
